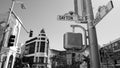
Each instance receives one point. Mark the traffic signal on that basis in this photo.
(31, 33)
(11, 40)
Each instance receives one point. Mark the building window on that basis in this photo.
(43, 34)
(34, 66)
(42, 66)
(26, 50)
(46, 60)
(37, 60)
(42, 38)
(3, 61)
(31, 59)
(41, 59)
(117, 46)
(31, 47)
(10, 62)
(37, 46)
(73, 58)
(47, 49)
(42, 47)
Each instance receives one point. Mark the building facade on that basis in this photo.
(36, 51)
(68, 59)
(57, 59)
(9, 42)
(110, 54)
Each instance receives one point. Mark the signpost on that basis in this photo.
(102, 12)
(84, 14)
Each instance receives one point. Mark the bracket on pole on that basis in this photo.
(85, 37)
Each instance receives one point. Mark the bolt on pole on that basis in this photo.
(94, 52)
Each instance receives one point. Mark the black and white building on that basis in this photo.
(36, 51)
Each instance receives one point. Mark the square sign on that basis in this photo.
(73, 40)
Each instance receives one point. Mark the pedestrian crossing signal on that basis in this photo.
(73, 40)
(11, 40)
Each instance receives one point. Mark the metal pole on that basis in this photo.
(94, 52)
(11, 9)
(19, 21)
(9, 15)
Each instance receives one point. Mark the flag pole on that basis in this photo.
(11, 9)
(19, 21)
(9, 15)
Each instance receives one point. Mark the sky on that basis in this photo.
(43, 14)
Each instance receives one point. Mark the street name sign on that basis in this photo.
(66, 18)
(72, 16)
(102, 12)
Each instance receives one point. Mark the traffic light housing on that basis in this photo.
(31, 33)
(11, 40)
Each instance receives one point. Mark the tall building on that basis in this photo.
(36, 51)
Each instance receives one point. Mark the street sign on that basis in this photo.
(66, 18)
(71, 16)
(81, 19)
(102, 12)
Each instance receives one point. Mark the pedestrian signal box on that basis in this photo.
(73, 40)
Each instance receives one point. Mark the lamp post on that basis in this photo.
(94, 52)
